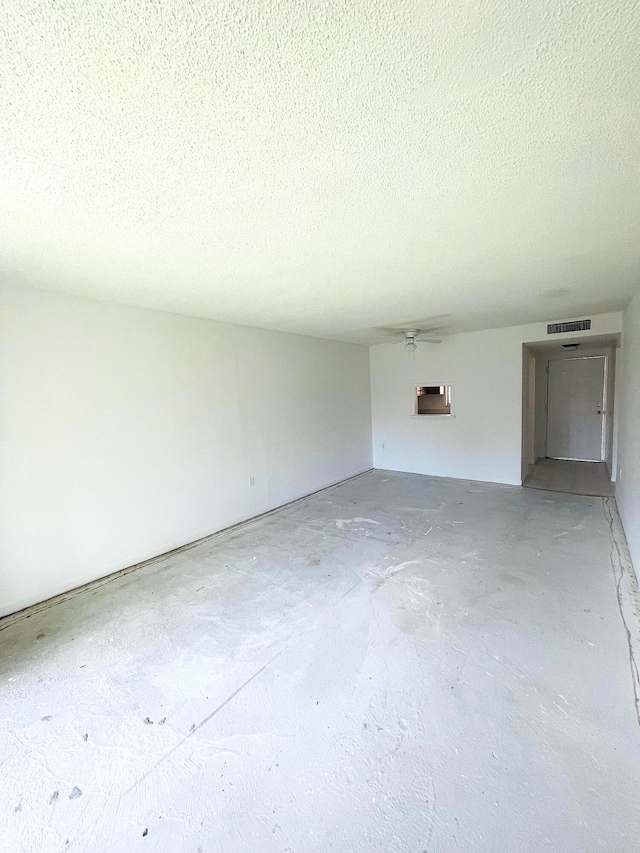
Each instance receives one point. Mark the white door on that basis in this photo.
(575, 413)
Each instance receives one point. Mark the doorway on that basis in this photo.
(568, 434)
(575, 408)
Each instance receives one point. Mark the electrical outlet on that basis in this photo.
(252, 481)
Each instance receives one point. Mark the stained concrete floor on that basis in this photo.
(578, 478)
(402, 663)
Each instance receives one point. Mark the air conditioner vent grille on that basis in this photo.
(571, 326)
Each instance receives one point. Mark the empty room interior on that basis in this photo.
(319, 426)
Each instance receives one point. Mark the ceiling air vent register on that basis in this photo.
(570, 326)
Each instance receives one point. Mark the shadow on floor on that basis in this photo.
(576, 478)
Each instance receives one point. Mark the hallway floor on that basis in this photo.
(398, 664)
(576, 478)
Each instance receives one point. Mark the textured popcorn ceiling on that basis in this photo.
(324, 167)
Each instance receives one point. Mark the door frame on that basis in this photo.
(605, 392)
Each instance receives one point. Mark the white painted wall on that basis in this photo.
(484, 439)
(125, 432)
(542, 360)
(628, 485)
(529, 397)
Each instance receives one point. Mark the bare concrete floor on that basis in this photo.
(577, 478)
(400, 664)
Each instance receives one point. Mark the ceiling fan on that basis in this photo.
(411, 337)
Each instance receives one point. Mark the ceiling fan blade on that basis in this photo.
(429, 340)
